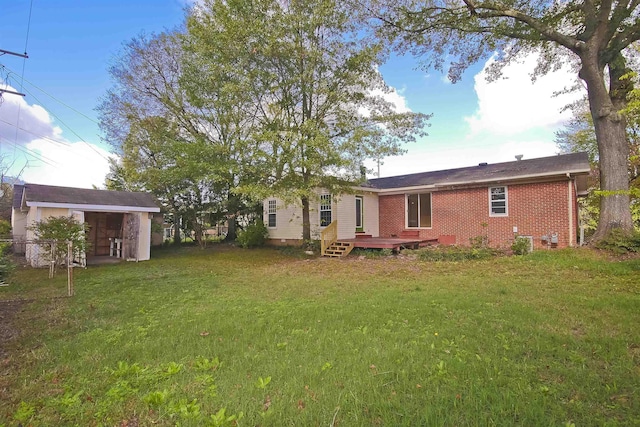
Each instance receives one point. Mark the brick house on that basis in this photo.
(536, 198)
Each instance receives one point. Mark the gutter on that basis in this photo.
(93, 208)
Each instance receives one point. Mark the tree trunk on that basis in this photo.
(232, 229)
(232, 217)
(613, 149)
(176, 228)
(306, 224)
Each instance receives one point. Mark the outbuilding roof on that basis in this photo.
(48, 195)
(574, 163)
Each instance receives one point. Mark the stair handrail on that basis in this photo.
(328, 236)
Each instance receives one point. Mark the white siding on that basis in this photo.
(289, 218)
(346, 216)
(32, 252)
(19, 224)
(144, 237)
(371, 215)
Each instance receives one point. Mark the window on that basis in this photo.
(498, 201)
(419, 210)
(359, 213)
(325, 210)
(272, 213)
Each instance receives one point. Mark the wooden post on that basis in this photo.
(52, 266)
(70, 268)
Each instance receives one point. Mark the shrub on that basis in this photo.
(5, 229)
(254, 235)
(55, 232)
(455, 253)
(521, 246)
(6, 263)
(620, 242)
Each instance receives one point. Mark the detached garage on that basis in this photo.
(119, 222)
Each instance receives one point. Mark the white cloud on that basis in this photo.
(425, 160)
(35, 145)
(77, 164)
(513, 104)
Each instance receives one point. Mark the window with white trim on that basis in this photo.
(325, 210)
(271, 212)
(498, 201)
(419, 210)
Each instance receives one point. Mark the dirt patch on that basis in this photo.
(9, 311)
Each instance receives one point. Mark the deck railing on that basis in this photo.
(328, 236)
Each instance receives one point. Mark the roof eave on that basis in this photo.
(94, 208)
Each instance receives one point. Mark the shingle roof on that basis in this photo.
(17, 195)
(544, 166)
(82, 196)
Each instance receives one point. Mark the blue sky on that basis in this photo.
(52, 136)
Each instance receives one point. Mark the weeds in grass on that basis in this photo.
(214, 337)
(455, 253)
(619, 242)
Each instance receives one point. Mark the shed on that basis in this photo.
(115, 218)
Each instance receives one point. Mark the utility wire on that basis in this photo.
(47, 138)
(52, 97)
(68, 127)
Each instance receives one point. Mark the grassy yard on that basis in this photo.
(225, 336)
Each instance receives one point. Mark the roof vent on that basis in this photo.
(519, 157)
(483, 164)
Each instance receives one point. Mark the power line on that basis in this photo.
(52, 97)
(47, 138)
(68, 127)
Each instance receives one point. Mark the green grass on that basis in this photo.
(200, 337)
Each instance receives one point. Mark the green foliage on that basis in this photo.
(362, 342)
(53, 233)
(371, 253)
(620, 242)
(451, 36)
(579, 136)
(6, 261)
(455, 253)
(5, 229)
(254, 235)
(312, 245)
(521, 246)
(302, 89)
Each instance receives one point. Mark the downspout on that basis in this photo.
(570, 206)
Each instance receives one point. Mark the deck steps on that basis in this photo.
(339, 249)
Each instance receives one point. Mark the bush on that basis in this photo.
(455, 253)
(5, 229)
(55, 232)
(6, 263)
(254, 235)
(620, 243)
(521, 246)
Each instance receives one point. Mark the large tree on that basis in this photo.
(594, 34)
(169, 145)
(319, 106)
(579, 135)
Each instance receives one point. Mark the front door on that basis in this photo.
(359, 214)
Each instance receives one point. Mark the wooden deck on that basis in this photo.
(394, 243)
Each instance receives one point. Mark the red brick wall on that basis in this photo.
(536, 209)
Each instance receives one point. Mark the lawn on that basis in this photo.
(225, 336)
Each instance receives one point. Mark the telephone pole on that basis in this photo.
(21, 55)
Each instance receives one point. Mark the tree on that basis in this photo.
(53, 234)
(166, 143)
(318, 107)
(579, 135)
(594, 34)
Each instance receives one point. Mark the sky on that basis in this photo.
(51, 136)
